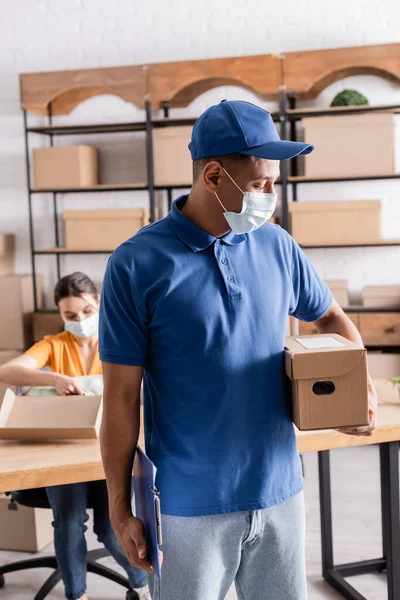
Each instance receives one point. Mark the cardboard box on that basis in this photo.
(172, 160)
(383, 365)
(65, 167)
(102, 229)
(335, 223)
(350, 145)
(329, 382)
(340, 291)
(40, 418)
(381, 296)
(7, 254)
(5, 357)
(25, 529)
(46, 323)
(16, 311)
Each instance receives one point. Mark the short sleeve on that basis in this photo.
(41, 352)
(123, 331)
(311, 297)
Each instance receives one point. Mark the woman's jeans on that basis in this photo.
(69, 504)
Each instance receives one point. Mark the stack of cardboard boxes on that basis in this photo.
(8, 348)
(25, 529)
(77, 167)
(344, 223)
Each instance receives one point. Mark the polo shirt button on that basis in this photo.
(217, 242)
(230, 279)
(224, 261)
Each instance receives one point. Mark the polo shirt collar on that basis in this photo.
(197, 239)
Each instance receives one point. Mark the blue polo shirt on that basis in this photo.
(207, 319)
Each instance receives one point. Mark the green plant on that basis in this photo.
(395, 380)
(349, 98)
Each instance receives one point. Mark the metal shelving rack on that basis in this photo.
(336, 575)
(51, 131)
(289, 115)
(286, 116)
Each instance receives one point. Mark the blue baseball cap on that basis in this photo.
(243, 127)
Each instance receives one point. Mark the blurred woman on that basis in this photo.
(70, 355)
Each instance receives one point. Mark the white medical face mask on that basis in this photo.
(85, 328)
(257, 208)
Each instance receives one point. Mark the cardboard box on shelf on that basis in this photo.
(381, 296)
(5, 357)
(340, 291)
(102, 229)
(172, 160)
(344, 147)
(16, 311)
(25, 529)
(41, 418)
(335, 223)
(46, 323)
(7, 254)
(329, 382)
(65, 167)
(383, 365)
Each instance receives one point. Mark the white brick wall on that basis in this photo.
(40, 35)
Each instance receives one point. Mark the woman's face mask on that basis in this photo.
(85, 328)
(257, 209)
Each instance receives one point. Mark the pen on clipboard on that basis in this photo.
(158, 514)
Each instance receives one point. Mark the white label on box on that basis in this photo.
(317, 342)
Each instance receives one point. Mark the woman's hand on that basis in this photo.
(67, 386)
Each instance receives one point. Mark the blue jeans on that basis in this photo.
(261, 551)
(69, 504)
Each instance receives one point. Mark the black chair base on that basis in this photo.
(51, 562)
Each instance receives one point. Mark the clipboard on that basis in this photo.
(147, 503)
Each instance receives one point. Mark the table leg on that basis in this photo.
(325, 499)
(389, 457)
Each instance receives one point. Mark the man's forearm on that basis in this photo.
(339, 323)
(119, 437)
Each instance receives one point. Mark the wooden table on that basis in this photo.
(387, 436)
(26, 466)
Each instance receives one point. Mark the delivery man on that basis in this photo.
(198, 302)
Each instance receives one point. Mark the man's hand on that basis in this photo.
(373, 405)
(131, 534)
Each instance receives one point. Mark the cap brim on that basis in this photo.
(279, 150)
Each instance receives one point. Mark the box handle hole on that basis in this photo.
(323, 388)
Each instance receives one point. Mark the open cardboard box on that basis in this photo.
(329, 381)
(39, 418)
